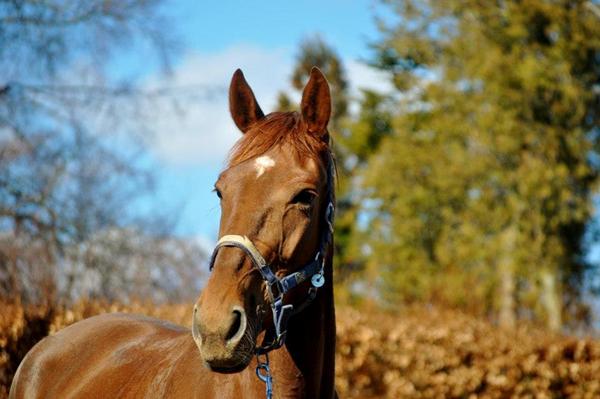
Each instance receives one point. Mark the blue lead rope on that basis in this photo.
(263, 372)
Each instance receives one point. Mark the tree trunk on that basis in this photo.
(550, 299)
(507, 312)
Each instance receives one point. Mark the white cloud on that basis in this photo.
(202, 132)
(362, 76)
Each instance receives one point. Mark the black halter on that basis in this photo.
(278, 287)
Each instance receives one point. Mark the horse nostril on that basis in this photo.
(235, 326)
(238, 326)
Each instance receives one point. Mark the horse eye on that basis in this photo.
(216, 190)
(304, 197)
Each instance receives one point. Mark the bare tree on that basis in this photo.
(72, 142)
(121, 264)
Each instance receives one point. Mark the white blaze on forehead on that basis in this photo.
(262, 164)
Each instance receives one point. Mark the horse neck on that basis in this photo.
(311, 340)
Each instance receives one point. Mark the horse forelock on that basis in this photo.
(275, 129)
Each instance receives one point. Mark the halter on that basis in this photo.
(277, 287)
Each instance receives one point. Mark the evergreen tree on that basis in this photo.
(481, 195)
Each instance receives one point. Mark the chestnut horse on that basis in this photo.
(266, 316)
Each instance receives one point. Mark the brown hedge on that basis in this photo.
(422, 352)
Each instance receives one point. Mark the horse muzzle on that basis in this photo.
(225, 344)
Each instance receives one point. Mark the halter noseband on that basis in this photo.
(278, 287)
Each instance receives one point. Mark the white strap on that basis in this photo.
(232, 239)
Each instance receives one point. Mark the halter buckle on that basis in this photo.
(278, 292)
(281, 314)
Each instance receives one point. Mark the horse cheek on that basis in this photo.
(295, 226)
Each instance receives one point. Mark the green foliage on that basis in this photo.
(489, 172)
(364, 133)
(315, 52)
(284, 102)
(361, 137)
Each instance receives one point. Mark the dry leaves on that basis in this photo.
(423, 352)
(430, 353)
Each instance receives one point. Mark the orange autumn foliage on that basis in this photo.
(421, 352)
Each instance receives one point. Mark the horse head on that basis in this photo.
(276, 204)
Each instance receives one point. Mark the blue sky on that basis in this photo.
(262, 38)
(213, 26)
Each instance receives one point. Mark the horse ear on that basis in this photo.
(316, 103)
(242, 104)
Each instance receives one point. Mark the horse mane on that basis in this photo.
(274, 129)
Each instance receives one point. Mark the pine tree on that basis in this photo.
(481, 195)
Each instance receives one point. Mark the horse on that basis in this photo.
(264, 324)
